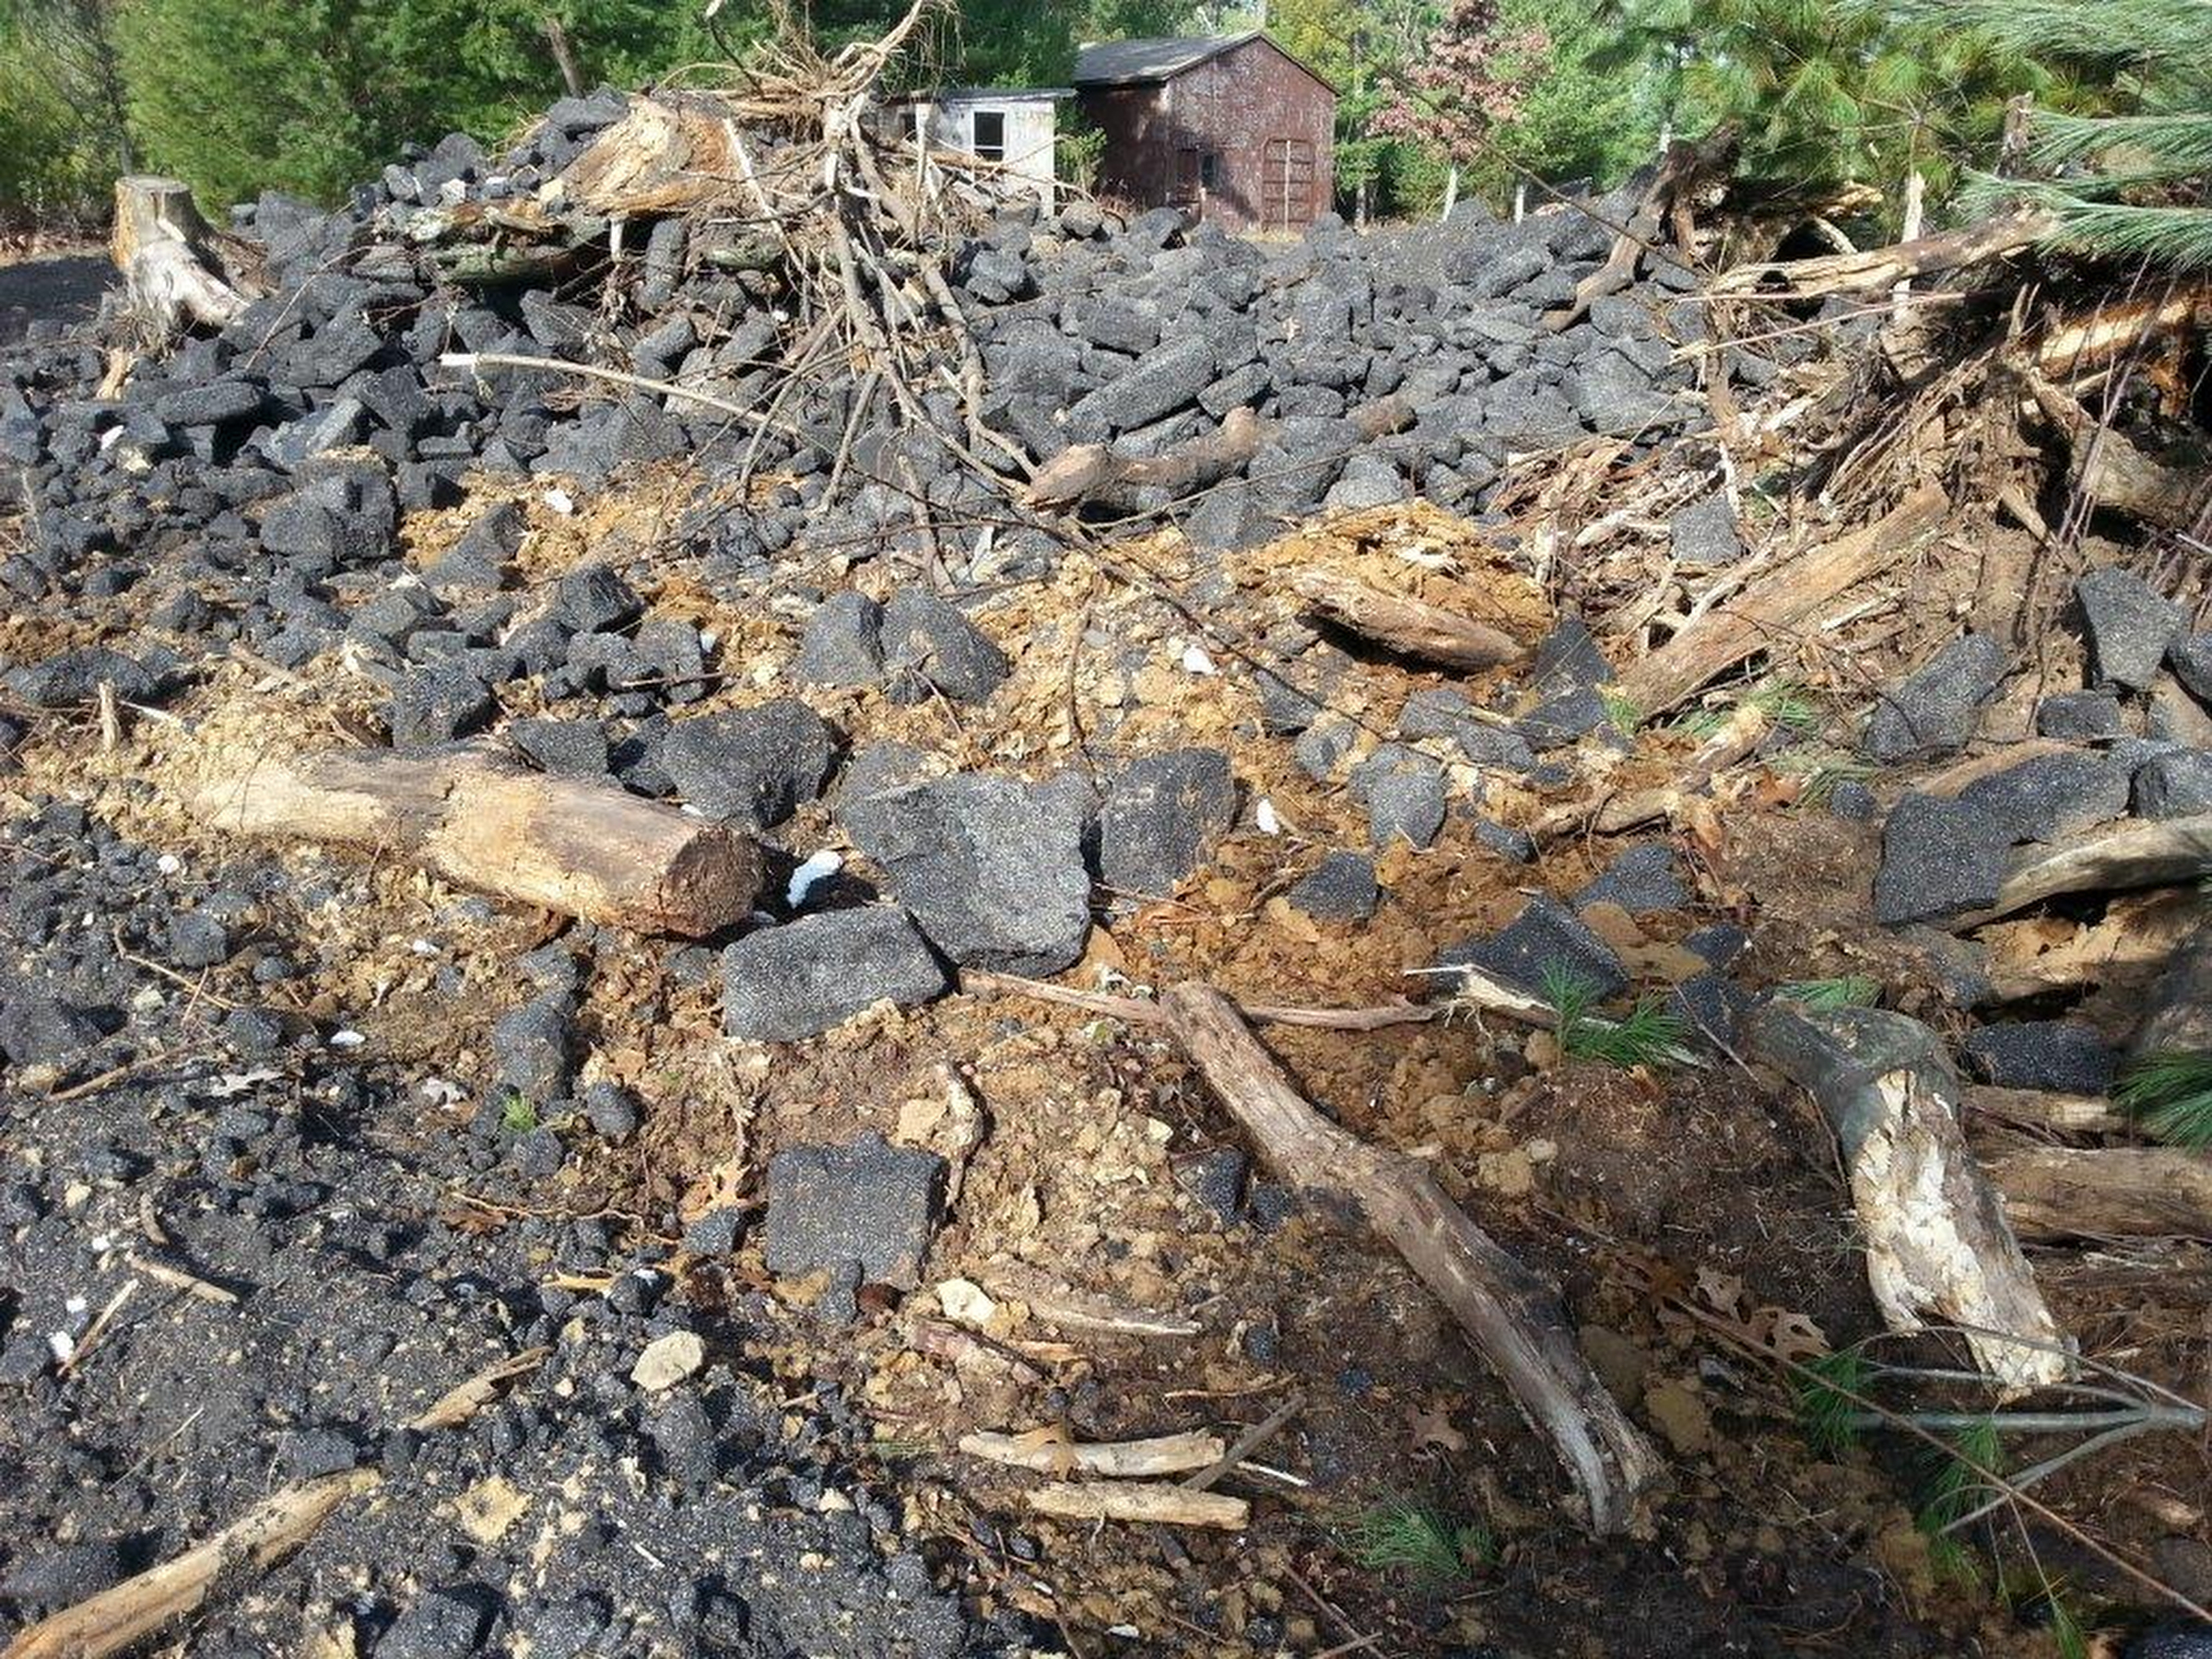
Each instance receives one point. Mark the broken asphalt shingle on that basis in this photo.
(1934, 710)
(1159, 816)
(754, 766)
(782, 983)
(2048, 797)
(2175, 785)
(866, 1202)
(1544, 936)
(2062, 1055)
(1342, 888)
(1641, 879)
(2079, 717)
(928, 645)
(1404, 793)
(2130, 625)
(1939, 857)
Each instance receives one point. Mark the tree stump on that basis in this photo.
(163, 248)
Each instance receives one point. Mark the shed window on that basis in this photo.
(1209, 171)
(990, 140)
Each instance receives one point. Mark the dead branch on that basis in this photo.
(1513, 1317)
(2032, 1108)
(2114, 473)
(1773, 612)
(2104, 1193)
(478, 819)
(1149, 1504)
(1118, 1460)
(1878, 270)
(1409, 627)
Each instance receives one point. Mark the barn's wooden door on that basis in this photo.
(1285, 184)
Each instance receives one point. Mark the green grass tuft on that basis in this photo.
(1952, 1491)
(2172, 1094)
(517, 1115)
(1826, 995)
(1825, 1390)
(1427, 1545)
(1647, 1035)
(1821, 768)
(1621, 710)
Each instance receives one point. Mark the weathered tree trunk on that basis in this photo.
(2149, 853)
(1938, 1241)
(1774, 612)
(564, 56)
(1409, 627)
(1512, 1316)
(163, 247)
(478, 819)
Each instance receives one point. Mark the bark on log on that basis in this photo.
(1938, 1241)
(163, 248)
(476, 818)
(2112, 472)
(2082, 345)
(2153, 853)
(2105, 1192)
(1878, 270)
(1409, 627)
(1512, 1316)
(1095, 475)
(1778, 609)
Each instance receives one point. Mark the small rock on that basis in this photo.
(2079, 717)
(782, 983)
(2129, 625)
(669, 1359)
(1342, 890)
(198, 941)
(715, 1233)
(842, 644)
(2056, 1054)
(866, 1202)
(929, 646)
(312, 1452)
(1934, 710)
(1159, 816)
(594, 599)
(438, 705)
(440, 1624)
(2176, 784)
(1403, 792)
(567, 748)
(531, 1046)
(1721, 944)
(755, 767)
(2190, 657)
(1217, 1180)
(1704, 534)
(611, 1111)
(1641, 879)
(1545, 935)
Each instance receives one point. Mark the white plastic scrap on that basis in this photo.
(1262, 813)
(560, 501)
(811, 874)
(346, 1039)
(1195, 661)
(230, 1085)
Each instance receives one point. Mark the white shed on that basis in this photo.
(1013, 126)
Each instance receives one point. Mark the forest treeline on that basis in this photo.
(1481, 96)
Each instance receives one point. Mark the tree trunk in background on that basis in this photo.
(564, 56)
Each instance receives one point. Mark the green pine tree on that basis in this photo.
(2131, 183)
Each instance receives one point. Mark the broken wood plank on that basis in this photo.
(1139, 1501)
(1878, 270)
(1512, 1316)
(1408, 627)
(2158, 853)
(2035, 1108)
(2105, 1191)
(1118, 1460)
(1778, 610)
(478, 819)
(1938, 1241)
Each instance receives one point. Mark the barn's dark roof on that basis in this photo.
(1140, 62)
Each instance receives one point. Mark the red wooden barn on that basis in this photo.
(1229, 124)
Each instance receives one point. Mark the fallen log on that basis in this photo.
(2153, 853)
(2106, 1192)
(1117, 1459)
(1938, 1241)
(1095, 474)
(1139, 1501)
(1408, 627)
(2037, 1108)
(1778, 609)
(1512, 1316)
(478, 819)
(164, 249)
(1878, 270)
(2082, 345)
(2114, 473)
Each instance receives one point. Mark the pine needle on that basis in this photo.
(1825, 1403)
(2172, 1094)
(1650, 1034)
(1826, 995)
(1424, 1543)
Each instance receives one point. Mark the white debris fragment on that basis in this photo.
(230, 1085)
(348, 1038)
(61, 1345)
(75, 1306)
(1262, 813)
(560, 501)
(443, 1091)
(668, 1360)
(423, 947)
(966, 1302)
(811, 874)
(1195, 661)
(168, 864)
